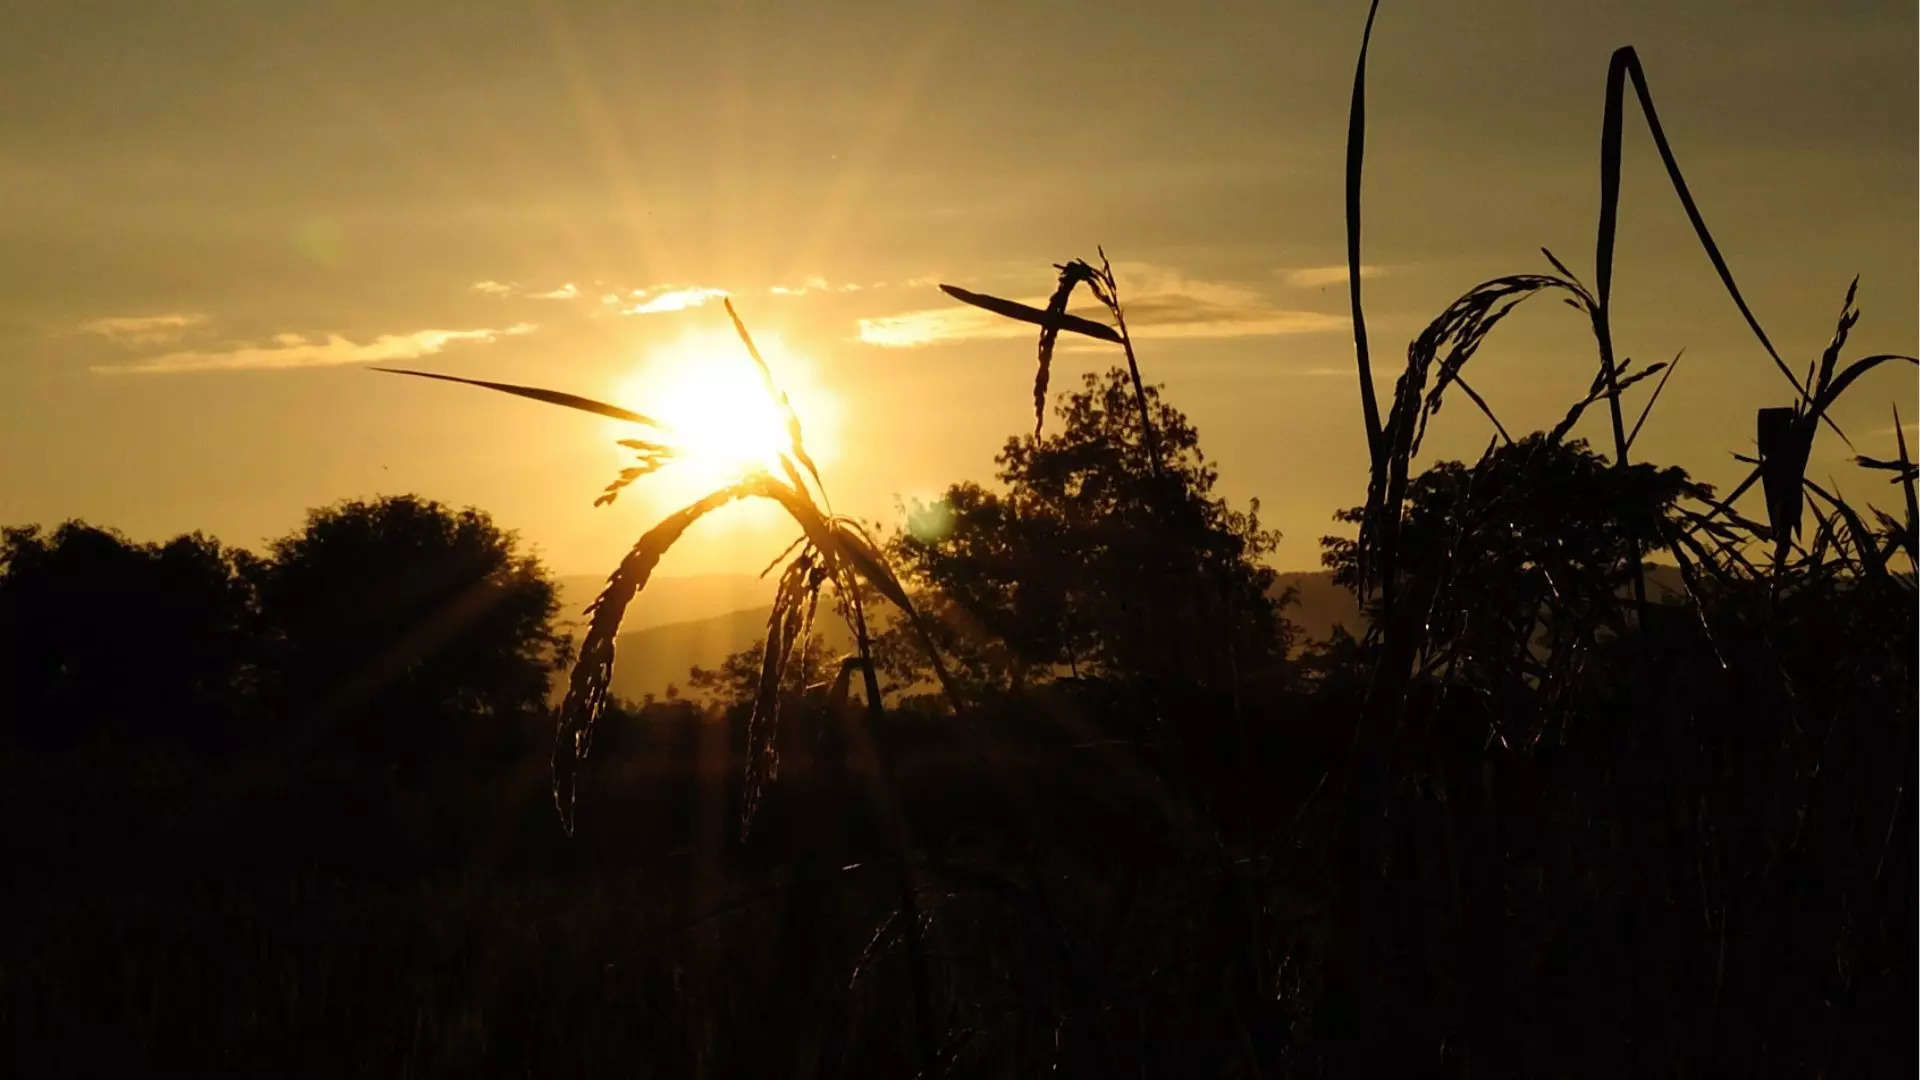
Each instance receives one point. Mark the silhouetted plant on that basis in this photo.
(1056, 318)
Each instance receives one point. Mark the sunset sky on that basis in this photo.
(214, 215)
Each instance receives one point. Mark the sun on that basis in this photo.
(723, 422)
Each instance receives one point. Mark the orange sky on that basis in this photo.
(212, 215)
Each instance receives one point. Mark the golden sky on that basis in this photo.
(212, 215)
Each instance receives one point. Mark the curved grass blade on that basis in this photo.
(1831, 392)
(551, 397)
(1625, 64)
(1356, 153)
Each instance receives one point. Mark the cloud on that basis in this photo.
(143, 329)
(1159, 305)
(493, 288)
(300, 351)
(1319, 277)
(668, 299)
(565, 292)
(816, 283)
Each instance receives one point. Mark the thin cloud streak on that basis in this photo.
(143, 329)
(297, 351)
(673, 300)
(1319, 277)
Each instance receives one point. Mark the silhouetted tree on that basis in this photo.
(1522, 559)
(103, 637)
(409, 632)
(1091, 561)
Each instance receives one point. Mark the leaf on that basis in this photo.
(1034, 315)
(552, 397)
(1784, 441)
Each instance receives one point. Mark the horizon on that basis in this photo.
(196, 270)
(1117, 697)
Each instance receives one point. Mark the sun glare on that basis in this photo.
(708, 390)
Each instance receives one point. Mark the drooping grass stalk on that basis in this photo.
(1055, 319)
(1108, 290)
(831, 549)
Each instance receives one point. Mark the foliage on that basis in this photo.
(1533, 545)
(409, 632)
(1093, 562)
(100, 636)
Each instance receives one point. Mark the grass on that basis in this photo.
(1532, 822)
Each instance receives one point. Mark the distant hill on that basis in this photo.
(655, 651)
(667, 599)
(1319, 605)
(650, 660)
